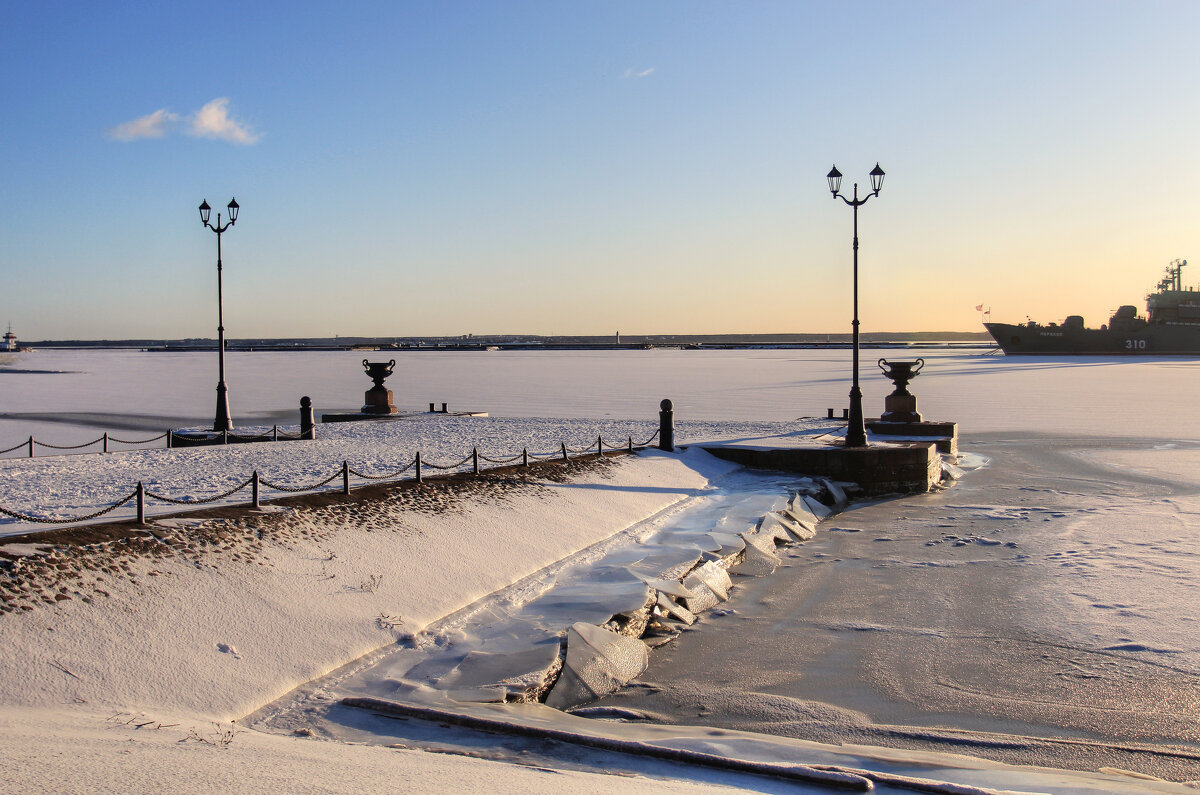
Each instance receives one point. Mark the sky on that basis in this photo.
(584, 168)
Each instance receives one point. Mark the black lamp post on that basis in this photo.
(856, 432)
(221, 422)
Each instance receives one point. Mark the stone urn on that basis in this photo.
(901, 405)
(379, 397)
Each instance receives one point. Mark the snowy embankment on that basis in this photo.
(218, 625)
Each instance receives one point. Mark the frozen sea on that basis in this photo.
(1040, 611)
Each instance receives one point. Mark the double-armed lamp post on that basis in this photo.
(221, 421)
(856, 431)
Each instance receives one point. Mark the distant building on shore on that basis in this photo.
(10, 340)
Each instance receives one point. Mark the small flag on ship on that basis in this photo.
(979, 308)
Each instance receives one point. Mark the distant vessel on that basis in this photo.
(1171, 326)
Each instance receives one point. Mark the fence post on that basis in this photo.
(345, 477)
(31, 447)
(274, 433)
(524, 456)
(106, 441)
(224, 436)
(631, 444)
(254, 490)
(418, 463)
(564, 452)
(444, 409)
(170, 438)
(431, 407)
(141, 503)
(599, 447)
(666, 426)
(307, 427)
(475, 459)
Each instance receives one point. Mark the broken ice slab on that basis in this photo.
(818, 509)
(730, 544)
(764, 542)
(515, 676)
(801, 531)
(668, 607)
(803, 518)
(703, 598)
(757, 562)
(835, 491)
(771, 525)
(797, 531)
(798, 506)
(712, 576)
(671, 587)
(598, 662)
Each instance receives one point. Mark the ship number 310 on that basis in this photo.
(1135, 345)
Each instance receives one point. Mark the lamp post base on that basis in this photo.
(221, 421)
(856, 428)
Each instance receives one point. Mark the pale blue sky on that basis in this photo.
(579, 168)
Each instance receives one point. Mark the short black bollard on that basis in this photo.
(431, 408)
(830, 414)
(444, 409)
(845, 414)
(106, 441)
(599, 447)
(254, 490)
(31, 447)
(418, 466)
(475, 460)
(141, 503)
(631, 444)
(274, 433)
(307, 426)
(564, 452)
(524, 456)
(666, 426)
(346, 477)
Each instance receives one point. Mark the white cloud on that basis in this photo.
(211, 121)
(155, 125)
(630, 73)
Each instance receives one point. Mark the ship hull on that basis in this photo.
(1155, 339)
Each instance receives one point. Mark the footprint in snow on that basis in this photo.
(226, 648)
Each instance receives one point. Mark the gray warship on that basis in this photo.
(1171, 326)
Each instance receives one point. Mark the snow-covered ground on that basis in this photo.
(216, 628)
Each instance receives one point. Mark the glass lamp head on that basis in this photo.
(876, 178)
(205, 211)
(835, 180)
(233, 209)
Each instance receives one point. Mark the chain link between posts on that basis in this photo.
(388, 476)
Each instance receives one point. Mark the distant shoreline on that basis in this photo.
(529, 342)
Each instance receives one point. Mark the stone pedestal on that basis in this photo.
(378, 401)
(899, 407)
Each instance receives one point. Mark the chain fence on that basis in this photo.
(141, 495)
(174, 438)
